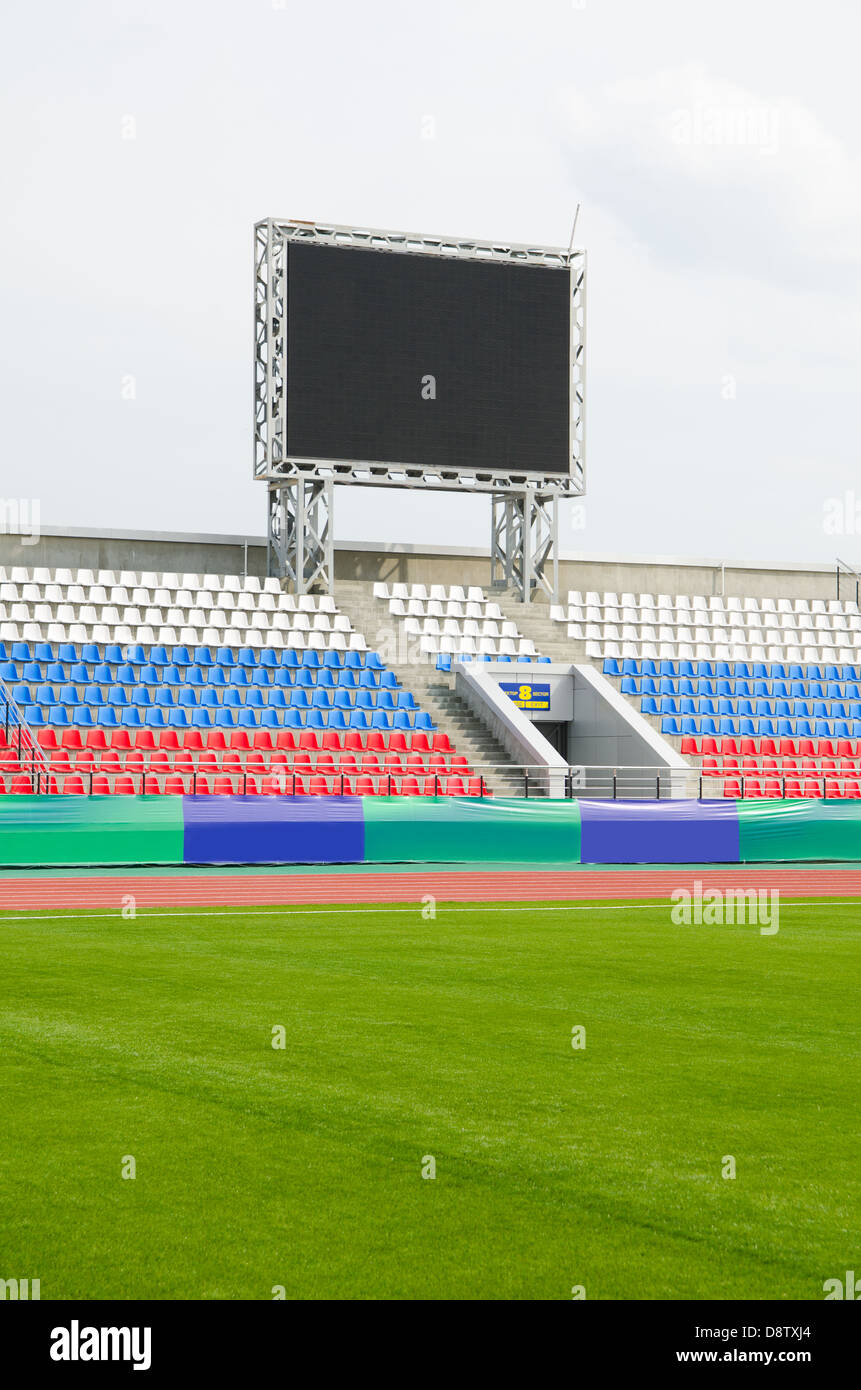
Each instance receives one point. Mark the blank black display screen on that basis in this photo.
(366, 330)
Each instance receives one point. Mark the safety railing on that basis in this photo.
(18, 740)
(201, 776)
(852, 580)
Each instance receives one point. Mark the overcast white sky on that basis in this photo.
(714, 149)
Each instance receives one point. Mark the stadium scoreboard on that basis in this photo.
(415, 358)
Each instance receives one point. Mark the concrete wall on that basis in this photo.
(606, 732)
(130, 550)
(138, 550)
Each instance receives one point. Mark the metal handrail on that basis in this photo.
(14, 719)
(843, 566)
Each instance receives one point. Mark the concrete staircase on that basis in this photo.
(433, 690)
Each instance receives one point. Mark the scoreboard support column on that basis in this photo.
(524, 551)
(300, 534)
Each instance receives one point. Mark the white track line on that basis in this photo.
(656, 905)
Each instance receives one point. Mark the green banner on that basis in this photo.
(45, 830)
(470, 830)
(799, 830)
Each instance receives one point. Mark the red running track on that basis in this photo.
(534, 885)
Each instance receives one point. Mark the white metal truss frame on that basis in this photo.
(524, 554)
(272, 463)
(300, 540)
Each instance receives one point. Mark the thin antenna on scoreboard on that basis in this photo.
(574, 229)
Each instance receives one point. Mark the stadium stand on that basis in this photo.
(453, 624)
(765, 693)
(170, 683)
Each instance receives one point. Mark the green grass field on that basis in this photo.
(407, 1038)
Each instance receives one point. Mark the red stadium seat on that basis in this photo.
(793, 790)
(690, 746)
(852, 789)
(73, 785)
(419, 742)
(145, 740)
(284, 740)
(732, 789)
(262, 740)
(812, 788)
(365, 787)
(101, 785)
(410, 787)
(376, 741)
(397, 741)
(124, 786)
(318, 786)
(193, 740)
(96, 740)
(440, 742)
(120, 739)
(331, 740)
(239, 741)
(152, 785)
(46, 738)
(174, 785)
(772, 787)
(224, 786)
(71, 739)
(477, 787)
(308, 740)
(432, 786)
(200, 784)
(711, 745)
